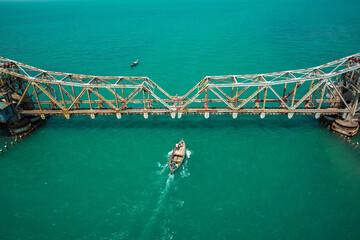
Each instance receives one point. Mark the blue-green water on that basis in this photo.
(248, 178)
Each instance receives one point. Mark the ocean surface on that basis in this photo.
(244, 178)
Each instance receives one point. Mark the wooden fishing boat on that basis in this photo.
(134, 63)
(177, 156)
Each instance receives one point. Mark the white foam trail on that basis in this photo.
(160, 204)
(162, 167)
(166, 233)
(166, 188)
(159, 164)
(188, 153)
(185, 171)
(165, 165)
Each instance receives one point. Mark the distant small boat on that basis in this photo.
(177, 156)
(134, 63)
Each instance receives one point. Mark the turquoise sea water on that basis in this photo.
(247, 178)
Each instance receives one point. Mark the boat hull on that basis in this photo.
(173, 171)
(177, 157)
(134, 63)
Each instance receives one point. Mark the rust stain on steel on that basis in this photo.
(303, 91)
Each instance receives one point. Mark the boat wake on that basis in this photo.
(184, 171)
(162, 167)
(155, 220)
(160, 205)
(188, 153)
(164, 193)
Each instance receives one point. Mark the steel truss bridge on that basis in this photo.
(331, 88)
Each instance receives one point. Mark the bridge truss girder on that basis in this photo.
(320, 90)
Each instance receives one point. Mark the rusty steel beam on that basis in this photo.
(56, 93)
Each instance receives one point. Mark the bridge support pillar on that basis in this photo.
(22, 126)
(345, 127)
